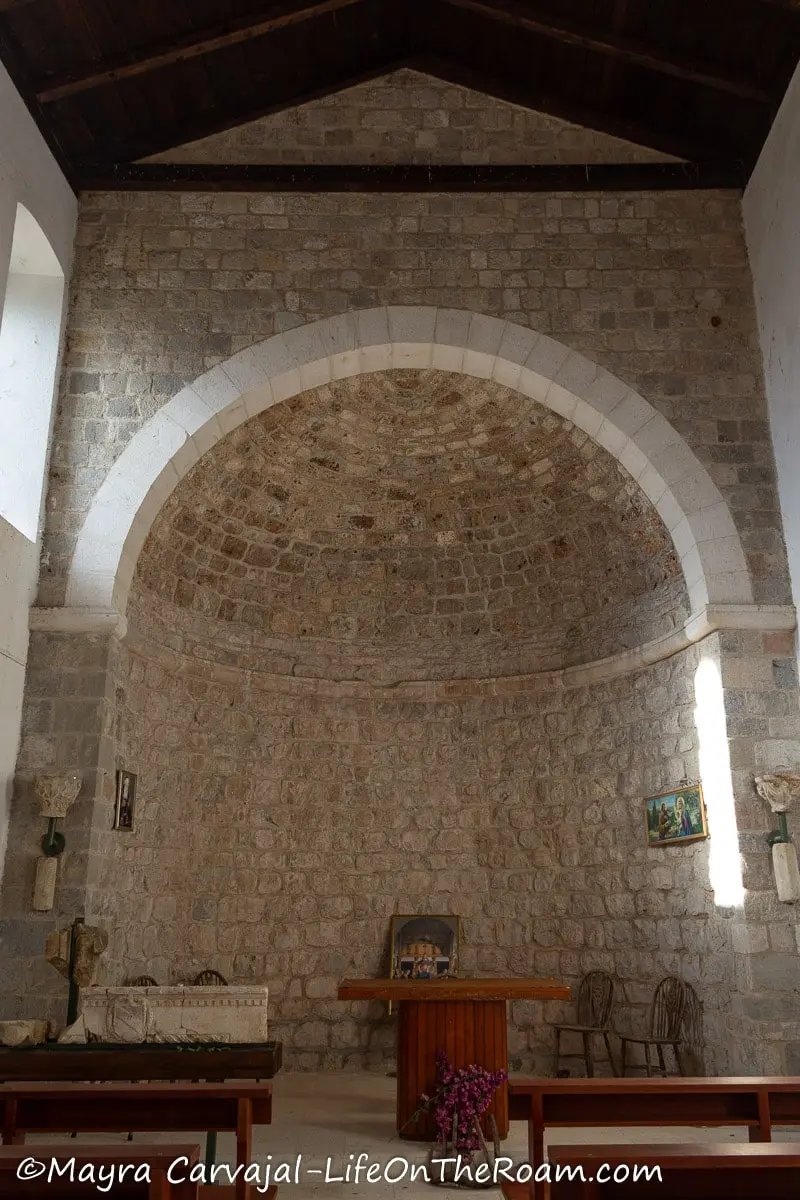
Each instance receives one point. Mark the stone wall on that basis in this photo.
(758, 681)
(654, 287)
(281, 822)
(409, 117)
(67, 727)
(283, 819)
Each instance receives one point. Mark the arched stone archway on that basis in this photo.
(610, 412)
(92, 660)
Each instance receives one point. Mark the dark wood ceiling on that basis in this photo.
(113, 81)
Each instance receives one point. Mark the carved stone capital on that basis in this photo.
(779, 790)
(55, 793)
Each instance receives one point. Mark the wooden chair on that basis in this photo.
(595, 1002)
(664, 1028)
(142, 981)
(210, 979)
(690, 1047)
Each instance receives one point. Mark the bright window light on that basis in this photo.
(724, 863)
(29, 338)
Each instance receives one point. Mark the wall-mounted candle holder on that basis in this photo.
(55, 794)
(779, 790)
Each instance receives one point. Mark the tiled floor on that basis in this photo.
(342, 1115)
(329, 1120)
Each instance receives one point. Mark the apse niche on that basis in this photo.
(411, 525)
(347, 690)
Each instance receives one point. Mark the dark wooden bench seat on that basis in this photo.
(159, 1158)
(753, 1103)
(172, 1061)
(151, 1061)
(689, 1171)
(43, 1108)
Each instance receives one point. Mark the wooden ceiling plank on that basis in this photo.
(412, 178)
(229, 33)
(511, 12)
(10, 5)
(618, 18)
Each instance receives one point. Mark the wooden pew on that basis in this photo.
(158, 1157)
(146, 1061)
(754, 1103)
(141, 1107)
(769, 1171)
(105, 1061)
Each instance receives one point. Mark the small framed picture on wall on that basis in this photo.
(677, 817)
(125, 800)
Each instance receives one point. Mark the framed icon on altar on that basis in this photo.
(125, 800)
(424, 947)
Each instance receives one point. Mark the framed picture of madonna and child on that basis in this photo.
(676, 817)
(424, 947)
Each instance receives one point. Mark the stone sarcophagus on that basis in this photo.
(174, 1014)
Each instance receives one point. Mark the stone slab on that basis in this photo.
(176, 1014)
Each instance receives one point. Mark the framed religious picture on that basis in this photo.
(677, 817)
(424, 947)
(125, 800)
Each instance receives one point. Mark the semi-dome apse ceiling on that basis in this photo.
(432, 520)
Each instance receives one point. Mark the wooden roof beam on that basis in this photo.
(193, 45)
(615, 45)
(407, 178)
(325, 82)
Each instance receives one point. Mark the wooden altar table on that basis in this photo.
(464, 1017)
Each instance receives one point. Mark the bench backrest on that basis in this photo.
(116, 1107)
(678, 1156)
(530, 1085)
(763, 1171)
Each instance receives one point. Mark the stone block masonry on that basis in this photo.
(408, 117)
(654, 287)
(283, 821)
(286, 813)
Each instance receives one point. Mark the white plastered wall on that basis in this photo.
(772, 223)
(29, 176)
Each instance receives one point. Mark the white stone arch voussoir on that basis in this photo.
(355, 343)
